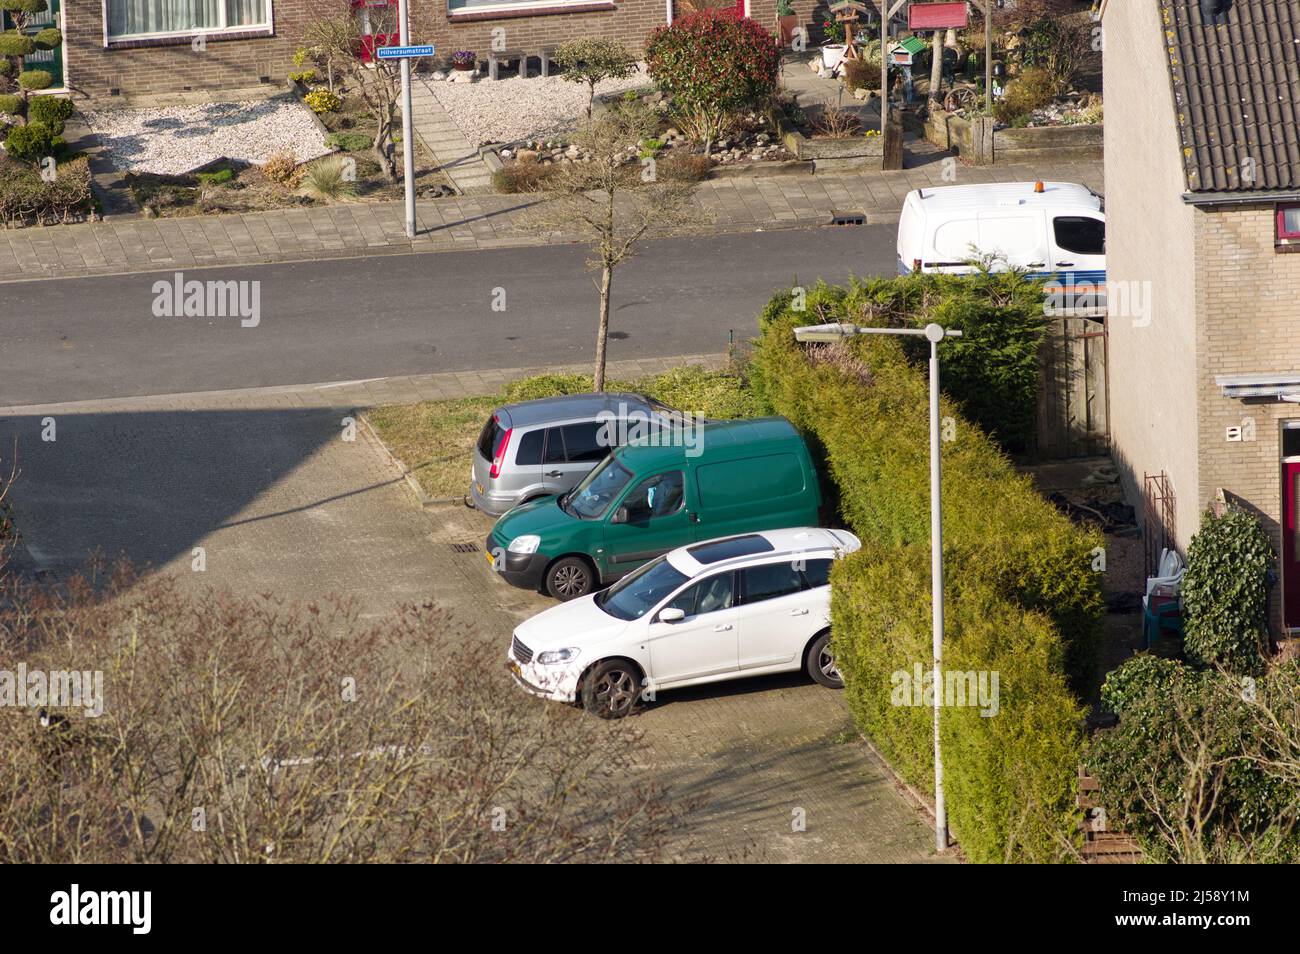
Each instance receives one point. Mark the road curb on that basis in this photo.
(921, 801)
(412, 481)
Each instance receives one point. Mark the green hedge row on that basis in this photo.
(992, 371)
(1023, 599)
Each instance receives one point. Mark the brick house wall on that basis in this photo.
(1247, 322)
(1223, 303)
(170, 65)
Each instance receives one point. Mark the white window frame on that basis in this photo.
(524, 6)
(267, 27)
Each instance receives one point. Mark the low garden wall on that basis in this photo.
(1023, 602)
(834, 155)
(977, 142)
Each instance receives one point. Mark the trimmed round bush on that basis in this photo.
(13, 43)
(50, 111)
(25, 6)
(33, 80)
(29, 143)
(10, 104)
(48, 39)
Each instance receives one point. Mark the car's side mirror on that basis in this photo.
(620, 516)
(672, 614)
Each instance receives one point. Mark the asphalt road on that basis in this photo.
(87, 338)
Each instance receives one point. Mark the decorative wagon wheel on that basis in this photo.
(963, 97)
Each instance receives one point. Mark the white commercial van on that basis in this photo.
(1053, 230)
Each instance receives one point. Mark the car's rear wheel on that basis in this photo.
(569, 578)
(821, 663)
(611, 689)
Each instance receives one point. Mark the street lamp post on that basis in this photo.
(933, 333)
(408, 138)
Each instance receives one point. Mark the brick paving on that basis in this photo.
(455, 154)
(736, 204)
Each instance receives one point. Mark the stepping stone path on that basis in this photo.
(457, 157)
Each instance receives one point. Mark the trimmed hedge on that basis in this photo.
(1023, 600)
(992, 371)
(26, 198)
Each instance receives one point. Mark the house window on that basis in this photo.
(143, 18)
(1288, 224)
(505, 6)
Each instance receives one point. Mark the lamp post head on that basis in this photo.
(835, 331)
(934, 333)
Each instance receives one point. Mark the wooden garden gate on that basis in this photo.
(1072, 419)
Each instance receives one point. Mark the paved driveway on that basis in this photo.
(749, 757)
(281, 504)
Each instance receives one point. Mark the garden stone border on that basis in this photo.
(978, 143)
(491, 157)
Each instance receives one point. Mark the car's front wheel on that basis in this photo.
(611, 689)
(569, 578)
(821, 663)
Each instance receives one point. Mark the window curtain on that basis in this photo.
(131, 17)
(246, 12)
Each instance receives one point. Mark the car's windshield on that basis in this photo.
(591, 498)
(642, 590)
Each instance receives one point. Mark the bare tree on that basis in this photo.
(246, 730)
(337, 35)
(8, 533)
(613, 200)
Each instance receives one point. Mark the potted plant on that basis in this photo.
(833, 49)
(786, 20)
(463, 60)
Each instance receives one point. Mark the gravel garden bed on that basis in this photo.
(509, 110)
(175, 140)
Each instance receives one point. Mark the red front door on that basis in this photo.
(1291, 543)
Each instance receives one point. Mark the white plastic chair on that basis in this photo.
(1168, 578)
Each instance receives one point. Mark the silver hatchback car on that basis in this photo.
(536, 448)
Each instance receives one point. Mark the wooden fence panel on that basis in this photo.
(1072, 391)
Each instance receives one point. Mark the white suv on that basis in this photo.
(722, 609)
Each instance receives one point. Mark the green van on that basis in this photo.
(646, 499)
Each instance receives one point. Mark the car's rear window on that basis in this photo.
(489, 442)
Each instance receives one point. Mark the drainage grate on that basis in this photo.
(848, 218)
(464, 547)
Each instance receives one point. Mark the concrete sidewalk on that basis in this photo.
(371, 392)
(352, 230)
